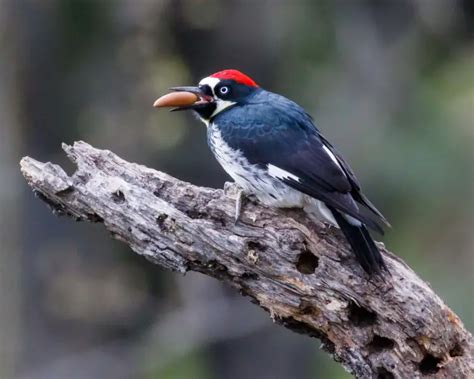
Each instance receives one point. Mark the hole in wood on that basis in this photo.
(217, 268)
(360, 316)
(307, 263)
(306, 307)
(380, 343)
(160, 220)
(456, 351)
(383, 373)
(429, 365)
(254, 245)
(253, 251)
(194, 214)
(118, 197)
(300, 327)
(249, 276)
(94, 217)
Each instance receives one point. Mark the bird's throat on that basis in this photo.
(205, 111)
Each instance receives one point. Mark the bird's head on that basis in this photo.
(213, 95)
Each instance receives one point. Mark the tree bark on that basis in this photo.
(301, 272)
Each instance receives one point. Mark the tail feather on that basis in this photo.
(362, 244)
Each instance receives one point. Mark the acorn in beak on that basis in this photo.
(183, 98)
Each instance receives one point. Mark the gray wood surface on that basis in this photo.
(302, 273)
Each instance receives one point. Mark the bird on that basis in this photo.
(272, 149)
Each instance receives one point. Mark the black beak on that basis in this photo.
(203, 98)
(191, 89)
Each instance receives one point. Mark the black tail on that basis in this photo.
(363, 246)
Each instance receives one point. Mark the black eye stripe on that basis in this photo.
(224, 89)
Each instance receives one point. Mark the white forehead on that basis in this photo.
(210, 81)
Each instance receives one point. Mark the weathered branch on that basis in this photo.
(301, 272)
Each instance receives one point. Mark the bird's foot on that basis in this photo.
(238, 206)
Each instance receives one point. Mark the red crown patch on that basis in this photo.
(235, 75)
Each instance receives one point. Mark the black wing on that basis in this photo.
(285, 137)
(356, 190)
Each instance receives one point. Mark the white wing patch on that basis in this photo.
(333, 158)
(279, 173)
(331, 155)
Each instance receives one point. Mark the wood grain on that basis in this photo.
(300, 272)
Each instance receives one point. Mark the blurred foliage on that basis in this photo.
(391, 83)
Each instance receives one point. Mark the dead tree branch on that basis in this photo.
(301, 272)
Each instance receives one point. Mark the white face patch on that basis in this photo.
(279, 173)
(211, 82)
(220, 104)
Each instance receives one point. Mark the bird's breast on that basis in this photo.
(254, 179)
(231, 159)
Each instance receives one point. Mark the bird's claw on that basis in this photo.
(238, 206)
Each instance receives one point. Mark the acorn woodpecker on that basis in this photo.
(272, 149)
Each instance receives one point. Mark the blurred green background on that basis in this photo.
(391, 83)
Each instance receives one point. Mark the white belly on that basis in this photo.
(255, 180)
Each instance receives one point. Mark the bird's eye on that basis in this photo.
(224, 90)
